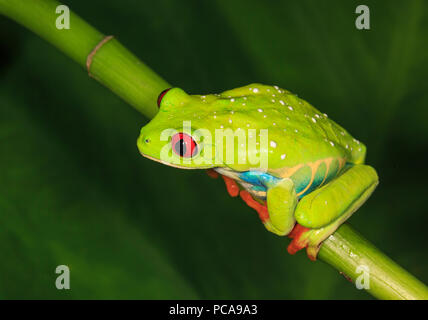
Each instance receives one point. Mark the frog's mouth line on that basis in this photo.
(172, 165)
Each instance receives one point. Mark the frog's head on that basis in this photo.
(206, 131)
(173, 137)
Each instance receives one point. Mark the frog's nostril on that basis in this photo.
(143, 140)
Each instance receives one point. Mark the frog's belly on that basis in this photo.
(248, 180)
(256, 191)
(306, 178)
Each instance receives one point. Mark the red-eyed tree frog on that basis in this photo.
(303, 173)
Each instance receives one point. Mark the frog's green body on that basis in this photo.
(314, 172)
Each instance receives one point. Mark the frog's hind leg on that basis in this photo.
(322, 211)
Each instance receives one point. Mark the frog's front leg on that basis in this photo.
(325, 209)
(281, 203)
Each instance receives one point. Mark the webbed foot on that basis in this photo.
(299, 240)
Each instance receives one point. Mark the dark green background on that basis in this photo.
(74, 190)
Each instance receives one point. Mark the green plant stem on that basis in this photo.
(355, 257)
(119, 70)
(112, 65)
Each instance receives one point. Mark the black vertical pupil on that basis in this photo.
(180, 147)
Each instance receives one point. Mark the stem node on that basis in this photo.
(93, 52)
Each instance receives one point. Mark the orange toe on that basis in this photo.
(294, 247)
(297, 231)
(212, 173)
(231, 186)
(261, 209)
(297, 244)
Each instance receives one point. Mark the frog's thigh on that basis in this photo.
(338, 200)
(281, 203)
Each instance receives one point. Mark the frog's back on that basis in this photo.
(299, 132)
(305, 145)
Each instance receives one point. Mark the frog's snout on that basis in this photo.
(143, 142)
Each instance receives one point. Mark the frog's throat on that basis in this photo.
(173, 165)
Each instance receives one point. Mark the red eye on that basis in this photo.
(184, 145)
(161, 96)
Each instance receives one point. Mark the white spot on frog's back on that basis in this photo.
(283, 156)
(273, 144)
(255, 90)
